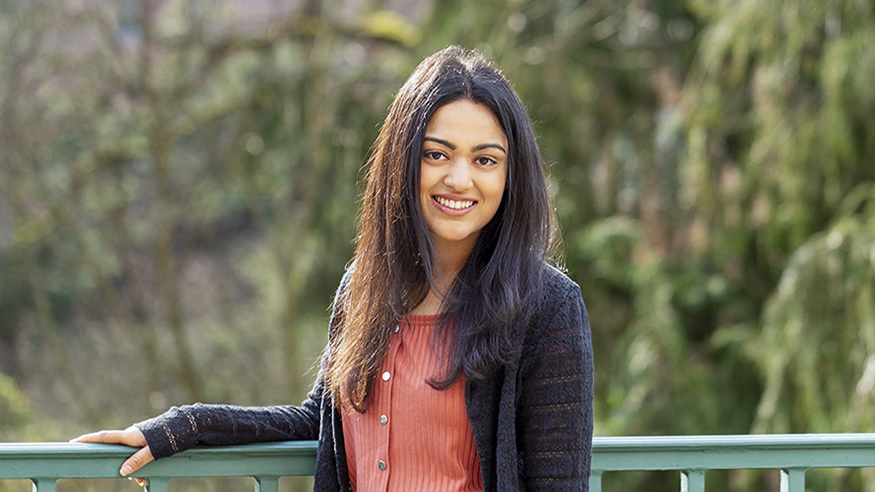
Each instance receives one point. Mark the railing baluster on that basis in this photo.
(693, 481)
(157, 484)
(266, 484)
(793, 480)
(43, 484)
(595, 481)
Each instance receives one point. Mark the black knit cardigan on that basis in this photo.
(532, 419)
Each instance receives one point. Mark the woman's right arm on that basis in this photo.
(182, 428)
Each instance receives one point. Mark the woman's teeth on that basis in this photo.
(453, 204)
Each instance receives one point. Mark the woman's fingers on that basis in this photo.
(128, 437)
(136, 461)
(102, 437)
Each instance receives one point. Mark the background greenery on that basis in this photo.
(179, 181)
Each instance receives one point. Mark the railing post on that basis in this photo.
(595, 481)
(793, 480)
(157, 484)
(693, 481)
(266, 484)
(43, 484)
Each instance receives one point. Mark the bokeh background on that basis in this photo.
(179, 182)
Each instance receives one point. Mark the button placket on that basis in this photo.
(387, 380)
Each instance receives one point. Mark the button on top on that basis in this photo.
(386, 376)
(384, 419)
(397, 328)
(382, 465)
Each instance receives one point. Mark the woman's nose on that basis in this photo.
(458, 175)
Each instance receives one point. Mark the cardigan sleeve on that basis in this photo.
(555, 414)
(184, 427)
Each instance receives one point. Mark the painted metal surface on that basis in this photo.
(691, 456)
(45, 463)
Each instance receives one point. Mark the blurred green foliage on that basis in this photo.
(179, 182)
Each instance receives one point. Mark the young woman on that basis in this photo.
(457, 358)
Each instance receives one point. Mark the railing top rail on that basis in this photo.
(600, 443)
(762, 441)
(76, 460)
(729, 452)
(67, 450)
(718, 452)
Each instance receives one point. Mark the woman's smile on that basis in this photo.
(463, 173)
(453, 204)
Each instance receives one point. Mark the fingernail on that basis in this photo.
(126, 470)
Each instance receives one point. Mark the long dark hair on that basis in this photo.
(393, 265)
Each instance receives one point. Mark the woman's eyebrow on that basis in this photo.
(440, 141)
(476, 148)
(484, 146)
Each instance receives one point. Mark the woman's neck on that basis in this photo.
(451, 256)
(445, 270)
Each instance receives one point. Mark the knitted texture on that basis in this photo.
(532, 419)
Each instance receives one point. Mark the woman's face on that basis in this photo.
(463, 174)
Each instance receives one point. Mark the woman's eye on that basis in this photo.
(433, 155)
(486, 161)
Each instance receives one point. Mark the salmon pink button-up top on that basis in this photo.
(412, 436)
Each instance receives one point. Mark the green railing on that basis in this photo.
(691, 456)
(45, 463)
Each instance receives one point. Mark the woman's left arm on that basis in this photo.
(555, 420)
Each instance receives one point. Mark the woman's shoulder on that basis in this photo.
(348, 271)
(556, 284)
(559, 325)
(559, 301)
(557, 296)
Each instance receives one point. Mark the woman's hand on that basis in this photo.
(128, 437)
